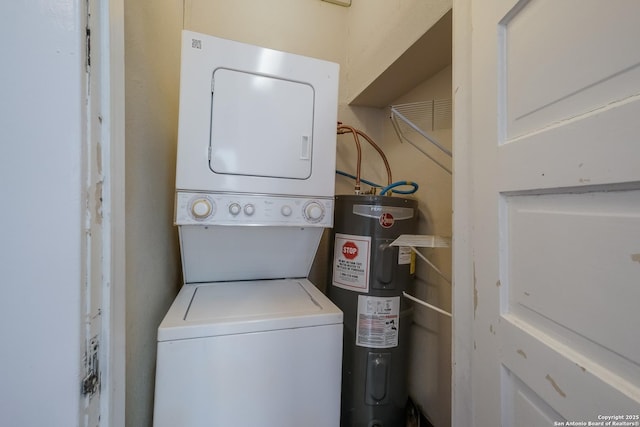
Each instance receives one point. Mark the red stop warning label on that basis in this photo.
(351, 262)
(349, 250)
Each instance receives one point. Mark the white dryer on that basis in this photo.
(249, 340)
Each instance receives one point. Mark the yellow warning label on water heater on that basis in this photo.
(412, 269)
(407, 256)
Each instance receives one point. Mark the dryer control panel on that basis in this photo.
(199, 208)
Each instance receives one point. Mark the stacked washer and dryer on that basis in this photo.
(249, 340)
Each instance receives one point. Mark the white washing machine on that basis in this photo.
(249, 340)
(249, 354)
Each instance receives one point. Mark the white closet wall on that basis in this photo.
(366, 39)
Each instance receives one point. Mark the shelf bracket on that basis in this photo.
(424, 241)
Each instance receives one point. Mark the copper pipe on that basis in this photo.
(379, 150)
(342, 129)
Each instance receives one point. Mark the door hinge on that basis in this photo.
(91, 381)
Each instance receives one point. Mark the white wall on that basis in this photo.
(380, 31)
(152, 39)
(152, 66)
(41, 219)
(430, 380)
(41, 170)
(430, 365)
(308, 27)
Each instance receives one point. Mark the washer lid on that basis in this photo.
(224, 308)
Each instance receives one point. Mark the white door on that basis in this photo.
(94, 241)
(102, 328)
(553, 180)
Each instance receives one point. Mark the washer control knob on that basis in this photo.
(286, 210)
(249, 209)
(234, 209)
(201, 208)
(314, 211)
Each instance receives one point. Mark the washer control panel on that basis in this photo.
(249, 209)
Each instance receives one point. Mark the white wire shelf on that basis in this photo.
(416, 121)
(415, 241)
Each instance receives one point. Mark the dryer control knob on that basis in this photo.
(249, 209)
(286, 210)
(234, 209)
(314, 211)
(201, 208)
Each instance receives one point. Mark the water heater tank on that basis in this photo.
(367, 279)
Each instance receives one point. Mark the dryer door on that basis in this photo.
(260, 125)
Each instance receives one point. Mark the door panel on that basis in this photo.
(554, 189)
(598, 147)
(562, 374)
(580, 271)
(568, 87)
(520, 400)
(563, 59)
